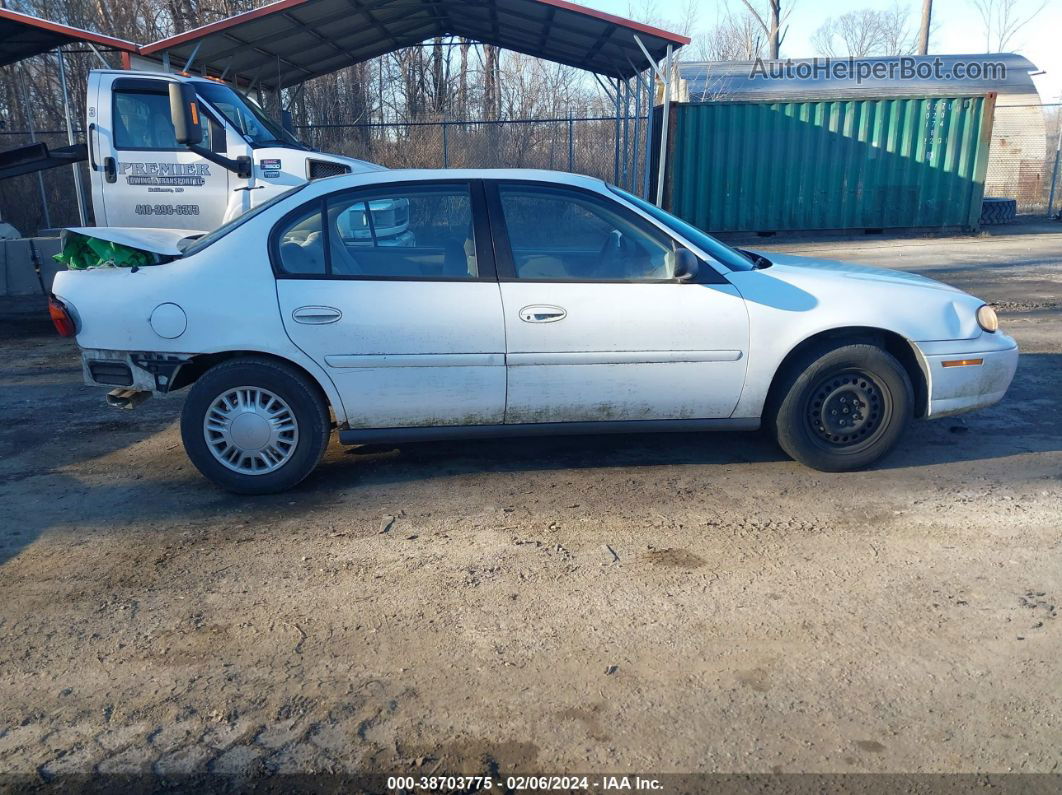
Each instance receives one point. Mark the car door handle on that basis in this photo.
(542, 313)
(316, 315)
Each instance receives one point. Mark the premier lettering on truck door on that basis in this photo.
(149, 179)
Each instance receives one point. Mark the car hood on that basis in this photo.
(164, 242)
(843, 295)
(790, 265)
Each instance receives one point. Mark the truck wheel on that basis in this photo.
(842, 408)
(255, 426)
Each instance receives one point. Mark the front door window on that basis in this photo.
(558, 234)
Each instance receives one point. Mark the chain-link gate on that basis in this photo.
(1023, 156)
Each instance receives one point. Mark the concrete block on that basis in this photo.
(18, 275)
(21, 276)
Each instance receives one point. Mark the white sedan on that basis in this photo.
(411, 305)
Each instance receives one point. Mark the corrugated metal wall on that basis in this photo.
(842, 164)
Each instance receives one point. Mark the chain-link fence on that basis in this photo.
(1021, 165)
(596, 146)
(1023, 156)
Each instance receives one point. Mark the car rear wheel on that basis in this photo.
(843, 407)
(255, 426)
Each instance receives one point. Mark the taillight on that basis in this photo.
(61, 318)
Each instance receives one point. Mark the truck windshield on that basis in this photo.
(728, 256)
(248, 119)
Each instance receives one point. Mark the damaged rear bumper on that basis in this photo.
(137, 371)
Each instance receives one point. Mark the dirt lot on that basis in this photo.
(650, 603)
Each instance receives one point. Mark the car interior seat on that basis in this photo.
(343, 262)
(306, 256)
(459, 256)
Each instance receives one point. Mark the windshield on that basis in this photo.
(195, 245)
(248, 119)
(718, 250)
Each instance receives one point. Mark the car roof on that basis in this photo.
(417, 174)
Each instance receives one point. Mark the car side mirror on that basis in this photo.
(184, 113)
(686, 265)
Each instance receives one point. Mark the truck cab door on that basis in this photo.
(145, 178)
(96, 166)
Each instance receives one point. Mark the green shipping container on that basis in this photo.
(836, 164)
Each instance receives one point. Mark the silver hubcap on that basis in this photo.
(250, 430)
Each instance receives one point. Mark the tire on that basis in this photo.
(255, 426)
(998, 211)
(867, 388)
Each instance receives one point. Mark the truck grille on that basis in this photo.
(318, 169)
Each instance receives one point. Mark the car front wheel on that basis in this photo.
(254, 426)
(842, 408)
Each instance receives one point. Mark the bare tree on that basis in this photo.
(1003, 19)
(865, 32)
(462, 80)
(773, 22)
(736, 37)
(897, 34)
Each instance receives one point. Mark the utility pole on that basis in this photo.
(923, 31)
(776, 22)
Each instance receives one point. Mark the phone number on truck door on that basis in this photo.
(167, 209)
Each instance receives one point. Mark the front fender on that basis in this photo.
(792, 305)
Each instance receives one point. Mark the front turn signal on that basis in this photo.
(61, 318)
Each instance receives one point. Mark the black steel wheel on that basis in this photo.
(842, 407)
(848, 410)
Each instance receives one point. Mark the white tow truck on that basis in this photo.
(177, 152)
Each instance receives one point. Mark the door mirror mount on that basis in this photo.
(184, 114)
(687, 265)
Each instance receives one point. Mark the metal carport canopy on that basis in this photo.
(23, 36)
(288, 42)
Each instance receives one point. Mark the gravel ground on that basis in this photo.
(671, 603)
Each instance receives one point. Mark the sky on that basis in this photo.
(957, 27)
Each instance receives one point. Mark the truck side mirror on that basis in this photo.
(184, 113)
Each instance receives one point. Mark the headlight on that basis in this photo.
(986, 318)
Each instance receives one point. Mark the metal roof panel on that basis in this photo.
(708, 81)
(551, 29)
(23, 36)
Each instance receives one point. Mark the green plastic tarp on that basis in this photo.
(81, 252)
